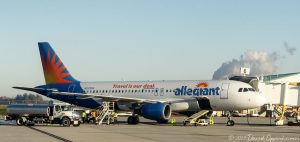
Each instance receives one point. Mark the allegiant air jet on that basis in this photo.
(154, 100)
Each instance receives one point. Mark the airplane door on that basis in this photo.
(156, 92)
(224, 91)
(162, 91)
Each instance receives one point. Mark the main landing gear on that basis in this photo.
(133, 120)
(230, 122)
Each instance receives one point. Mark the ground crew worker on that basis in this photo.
(93, 114)
(83, 116)
(173, 121)
(115, 116)
(211, 120)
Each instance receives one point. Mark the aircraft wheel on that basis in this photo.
(230, 123)
(133, 120)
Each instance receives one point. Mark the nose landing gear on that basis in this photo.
(230, 122)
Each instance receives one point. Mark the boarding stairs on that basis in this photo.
(104, 113)
(282, 112)
(203, 114)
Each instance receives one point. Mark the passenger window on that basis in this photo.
(245, 90)
(167, 91)
(241, 90)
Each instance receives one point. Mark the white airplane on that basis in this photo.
(154, 100)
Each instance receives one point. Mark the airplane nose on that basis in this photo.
(260, 99)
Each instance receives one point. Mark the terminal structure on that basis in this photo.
(282, 92)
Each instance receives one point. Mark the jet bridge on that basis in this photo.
(282, 92)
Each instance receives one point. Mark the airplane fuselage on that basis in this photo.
(222, 94)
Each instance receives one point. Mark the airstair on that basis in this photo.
(198, 118)
(105, 112)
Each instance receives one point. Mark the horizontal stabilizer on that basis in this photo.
(37, 90)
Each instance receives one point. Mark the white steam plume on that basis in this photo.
(259, 62)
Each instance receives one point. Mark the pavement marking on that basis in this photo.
(49, 134)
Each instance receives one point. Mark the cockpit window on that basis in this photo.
(247, 90)
(241, 90)
(251, 89)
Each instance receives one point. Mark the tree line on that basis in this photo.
(24, 98)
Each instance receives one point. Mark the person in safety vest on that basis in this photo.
(115, 116)
(83, 116)
(173, 121)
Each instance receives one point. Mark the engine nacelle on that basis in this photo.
(158, 111)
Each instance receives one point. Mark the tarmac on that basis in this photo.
(258, 130)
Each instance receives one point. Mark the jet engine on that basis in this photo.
(159, 112)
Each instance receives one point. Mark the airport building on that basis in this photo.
(281, 89)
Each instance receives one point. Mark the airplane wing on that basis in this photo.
(108, 97)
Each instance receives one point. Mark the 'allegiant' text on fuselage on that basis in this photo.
(184, 90)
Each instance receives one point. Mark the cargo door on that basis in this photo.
(224, 91)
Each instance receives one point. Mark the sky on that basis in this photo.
(142, 39)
